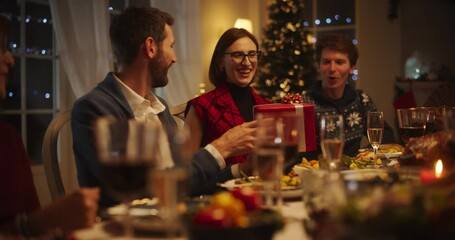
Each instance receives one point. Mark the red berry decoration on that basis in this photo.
(250, 198)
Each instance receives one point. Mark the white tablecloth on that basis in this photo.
(293, 212)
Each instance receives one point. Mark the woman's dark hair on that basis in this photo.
(217, 76)
(129, 30)
(338, 42)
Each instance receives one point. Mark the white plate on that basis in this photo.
(387, 155)
(363, 174)
(231, 184)
(287, 192)
(145, 215)
(390, 155)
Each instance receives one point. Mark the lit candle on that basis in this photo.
(428, 176)
(438, 169)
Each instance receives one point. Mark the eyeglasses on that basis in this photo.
(238, 56)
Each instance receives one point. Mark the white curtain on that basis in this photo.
(186, 74)
(82, 30)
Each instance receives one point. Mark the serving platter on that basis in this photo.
(286, 191)
(364, 174)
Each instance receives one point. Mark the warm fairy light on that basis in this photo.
(293, 133)
(201, 88)
(438, 168)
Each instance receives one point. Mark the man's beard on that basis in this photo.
(158, 69)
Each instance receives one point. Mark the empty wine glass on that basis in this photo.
(332, 139)
(268, 156)
(375, 130)
(448, 118)
(279, 139)
(171, 185)
(127, 155)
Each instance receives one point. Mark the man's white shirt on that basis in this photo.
(147, 109)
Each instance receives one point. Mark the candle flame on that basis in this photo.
(438, 168)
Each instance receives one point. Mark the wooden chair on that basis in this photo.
(51, 162)
(178, 111)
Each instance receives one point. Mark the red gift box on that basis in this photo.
(307, 112)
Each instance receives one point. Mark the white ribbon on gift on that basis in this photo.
(300, 127)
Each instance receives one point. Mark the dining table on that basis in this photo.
(293, 213)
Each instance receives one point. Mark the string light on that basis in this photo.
(202, 88)
(329, 20)
(30, 19)
(355, 74)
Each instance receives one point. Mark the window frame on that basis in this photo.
(22, 56)
(316, 29)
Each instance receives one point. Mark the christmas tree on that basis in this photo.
(287, 63)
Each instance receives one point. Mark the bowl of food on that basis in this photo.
(305, 166)
(235, 214)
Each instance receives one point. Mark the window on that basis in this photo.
(31, 90)
(328, 16)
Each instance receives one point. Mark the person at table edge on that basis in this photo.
(21, 216)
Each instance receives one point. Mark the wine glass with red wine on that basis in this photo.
(412, 122)
(127, 154)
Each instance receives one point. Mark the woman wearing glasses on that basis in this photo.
(232, 69)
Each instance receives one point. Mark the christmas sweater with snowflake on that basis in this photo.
(354, 106)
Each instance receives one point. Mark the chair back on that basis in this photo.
(52, 164)
(178, 111)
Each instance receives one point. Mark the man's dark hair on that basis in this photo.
(216, 76)
(338, 42)
(129, 30)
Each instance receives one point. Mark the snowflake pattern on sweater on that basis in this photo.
(354, 106)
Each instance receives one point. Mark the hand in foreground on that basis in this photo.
(71, 212)
(237, 140)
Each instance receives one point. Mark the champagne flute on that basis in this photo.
(127, 155)
(332, 139)
(375, 130)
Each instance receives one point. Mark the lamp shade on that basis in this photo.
(244, 23)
